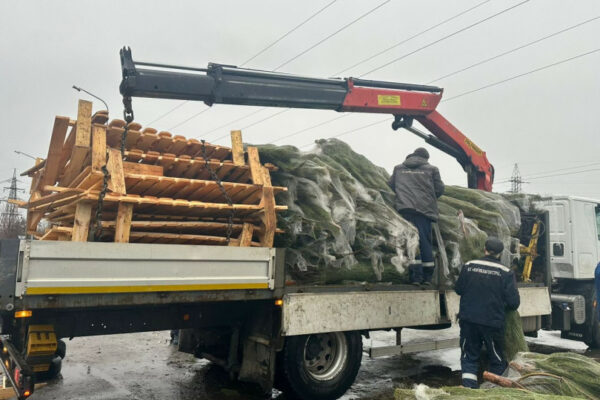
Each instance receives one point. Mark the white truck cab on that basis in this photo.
(574, 224)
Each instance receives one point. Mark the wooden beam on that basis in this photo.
(237, 148)
(57, 141)
(123, 223)
(246, 235)
(266, 177)
(255, 166)
(81, 143)
(142, 169)
(116, 183)
(98, 147)
(81, 224)
(268, 217)
(84, 123)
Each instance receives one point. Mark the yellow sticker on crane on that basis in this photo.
(473, 146)
(424, 103)
(388, 100)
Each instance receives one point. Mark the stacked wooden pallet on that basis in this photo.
(98, 183)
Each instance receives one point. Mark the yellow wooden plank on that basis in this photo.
(116, 183)
(255, 166)
(98, 147)
(246, 235)
(123, 223)
(57, 141)
(237, 148)
(81, 224)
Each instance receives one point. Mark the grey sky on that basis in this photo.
(547, 121)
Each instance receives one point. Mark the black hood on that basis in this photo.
(414, 162)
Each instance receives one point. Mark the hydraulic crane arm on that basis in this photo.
(227, 84)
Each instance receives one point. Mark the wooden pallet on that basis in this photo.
(160, 189)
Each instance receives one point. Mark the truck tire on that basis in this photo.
(321, 366)
(61, 348)
(53, 371)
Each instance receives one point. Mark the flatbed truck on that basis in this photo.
(231, 304)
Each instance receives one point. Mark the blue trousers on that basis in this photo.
(423, 271)
(472, 338)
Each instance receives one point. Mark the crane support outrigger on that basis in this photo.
(227, 84)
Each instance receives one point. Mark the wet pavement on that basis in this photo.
(144, 366)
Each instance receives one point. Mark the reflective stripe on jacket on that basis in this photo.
(487, 288)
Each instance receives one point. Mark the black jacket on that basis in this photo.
(417, 185)
(487, 288)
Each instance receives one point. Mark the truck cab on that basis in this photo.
(574, 225)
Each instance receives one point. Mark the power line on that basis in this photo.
(481, 88)
(255, 123)
(435, 42)
(445, 37)
(566, 173)
(311, 48)
(514, 50)
(190, 118)
(288, 33)
(354, 130)
(522, 75)
(400, 43)
(309, 128)
(230, 122)
(168, 112)
(412, 37)
(246, 62)
(333, 34)
(534, 174)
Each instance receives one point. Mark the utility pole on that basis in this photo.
(11, 221)
(515, 180)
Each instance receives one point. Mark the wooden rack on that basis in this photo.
(98, 183)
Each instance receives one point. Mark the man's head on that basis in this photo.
(493, 247)
(421, 152)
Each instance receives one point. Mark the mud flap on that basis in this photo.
(259, 344)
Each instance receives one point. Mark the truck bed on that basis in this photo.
(53, 274)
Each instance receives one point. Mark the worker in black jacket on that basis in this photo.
(417, 185)
(487, 288)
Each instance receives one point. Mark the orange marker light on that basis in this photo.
(186, 317)
(27, 393)
(279, 302)
(23, 314)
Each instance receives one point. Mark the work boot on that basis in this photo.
(427, 274)
(415, 273)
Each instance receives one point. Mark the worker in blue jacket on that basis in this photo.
(487, 288)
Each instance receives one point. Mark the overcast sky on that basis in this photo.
(547, 121)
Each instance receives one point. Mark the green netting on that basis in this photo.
(564, 373)
(341, 225)
(514, 340)
(423, 392)
(553, 376)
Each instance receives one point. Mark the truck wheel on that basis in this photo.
(61, 348)
(53, 371)
(321, 366)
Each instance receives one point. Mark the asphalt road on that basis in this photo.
(144, 366)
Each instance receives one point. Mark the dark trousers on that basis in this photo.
(472, 338)
(422, 272)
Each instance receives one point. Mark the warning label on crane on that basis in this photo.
(473, 146)
(388, 100)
